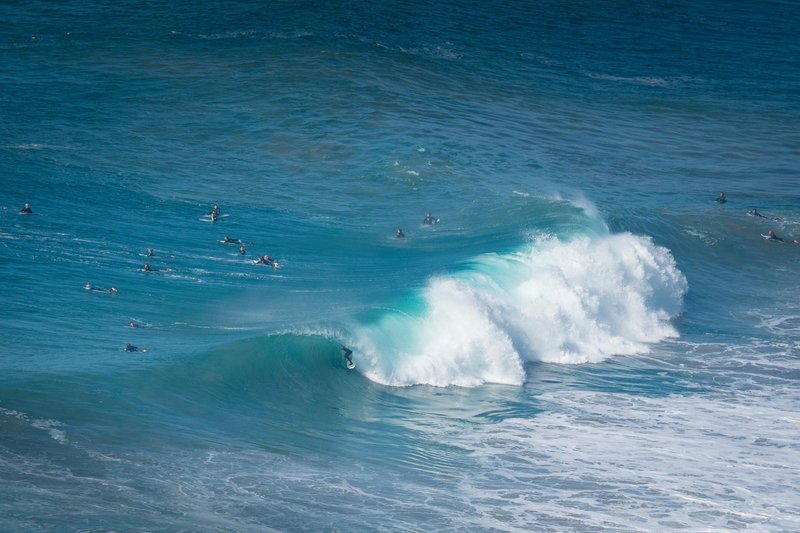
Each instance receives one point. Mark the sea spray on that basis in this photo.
(575, 301)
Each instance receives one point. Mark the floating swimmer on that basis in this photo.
(133, 324)
(348, 355)
(242, 250)
(429, 219)
(400, 234)
(721, 198)
(26, 210)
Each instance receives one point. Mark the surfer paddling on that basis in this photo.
(754, 213)
(267, 260)
(146, 268)
(90, 287)
(131, 348)
(231, 240)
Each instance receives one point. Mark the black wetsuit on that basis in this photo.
(348, 354)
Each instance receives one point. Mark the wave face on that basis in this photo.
(578, 301)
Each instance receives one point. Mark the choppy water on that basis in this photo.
(585, 341)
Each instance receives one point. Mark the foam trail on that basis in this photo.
(564, 302)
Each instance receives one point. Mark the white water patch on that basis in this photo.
(564, 302)
(704, 237)
(626, 463)
(649, 81)
(48, 425)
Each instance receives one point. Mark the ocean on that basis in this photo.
(584, 340)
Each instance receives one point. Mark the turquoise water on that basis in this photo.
(585, 341)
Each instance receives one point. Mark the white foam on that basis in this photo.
(51, 426)
(615, 461)
(650, 81)
(565, 302)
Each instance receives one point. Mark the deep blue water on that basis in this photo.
(585, 341)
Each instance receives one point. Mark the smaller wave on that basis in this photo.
(38, 146)
(649, 81)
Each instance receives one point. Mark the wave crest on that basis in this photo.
(562, 302)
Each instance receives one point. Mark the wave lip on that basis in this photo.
(571, 302)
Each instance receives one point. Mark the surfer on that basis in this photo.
(771, 236)
(229, 240)
(721, 198)
(131, 348)
(429, 219)
(754, 212)
(26, 210)
(214, 211)
(400, 234)
(147, 268)
(133, 324)
(150, 253)
(90, 287)
(348, 355)
(242, 250)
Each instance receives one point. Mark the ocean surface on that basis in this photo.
(586, 340)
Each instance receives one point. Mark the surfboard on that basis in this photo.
(350, 365)
(207, 218)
